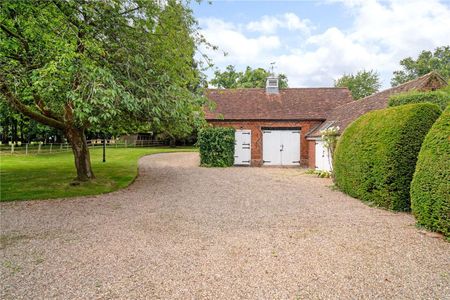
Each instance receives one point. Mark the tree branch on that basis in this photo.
(40, 105)
(73, 21)
(18, 35)
(24, 109)
(26, 62)
(9, 32)
(129, 10)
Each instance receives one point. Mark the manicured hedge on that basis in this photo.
(440, 97)
(430, 188)
(216, 146)
(376, 155)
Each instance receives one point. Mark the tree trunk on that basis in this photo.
(5, 133)
(77, 140)
(22, 136)
(172, 142)
(14, 132)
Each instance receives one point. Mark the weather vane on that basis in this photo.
(272, 66)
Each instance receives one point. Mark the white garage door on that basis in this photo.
(281, 147)
(242, 147)
(323, 160)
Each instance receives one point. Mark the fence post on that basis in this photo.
(51, 146)
(39, 147)
(125, 143)
(61, 147)
(12, 148)
(26, 149)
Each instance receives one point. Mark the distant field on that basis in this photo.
(27, 177)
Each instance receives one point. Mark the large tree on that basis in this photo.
(15, 127)
(106, 66)
(250, 78)
(178, 43)
(361, 84)
(427, 61)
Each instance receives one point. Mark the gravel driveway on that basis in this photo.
(184, 232)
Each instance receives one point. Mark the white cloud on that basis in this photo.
(380, 36)
(289, 21)
(240, 49)
(334, 54)
(402, 27)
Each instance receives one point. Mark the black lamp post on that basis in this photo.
(104, 148)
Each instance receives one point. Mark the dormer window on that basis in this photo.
(273, 82)
(272, 85)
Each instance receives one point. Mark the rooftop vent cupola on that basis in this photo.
(272, 85)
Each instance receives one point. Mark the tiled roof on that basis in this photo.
(322, 126)
(343, 115)
(289, 104)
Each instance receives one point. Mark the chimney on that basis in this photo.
(272, 84)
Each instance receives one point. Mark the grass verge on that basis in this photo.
(28, 177)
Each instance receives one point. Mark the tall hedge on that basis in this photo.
(216, 146)
(430, 188)
(440, 97)
(376, 155)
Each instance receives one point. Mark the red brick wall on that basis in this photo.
(312, 154)
(255, 127)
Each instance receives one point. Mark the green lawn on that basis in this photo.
(49, 176)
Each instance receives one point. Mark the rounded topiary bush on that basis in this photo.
(216, 146)
(376, 155)
(430, 188)
(440, 97)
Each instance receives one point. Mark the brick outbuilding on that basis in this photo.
(273, 123)
(282, 126)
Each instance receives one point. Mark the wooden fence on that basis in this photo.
(46, 148)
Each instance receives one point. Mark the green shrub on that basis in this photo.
(216, 146)
(319, 173)
(440, 97)
(430, 188)
(376, 155)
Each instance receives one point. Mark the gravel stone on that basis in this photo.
(184, 232)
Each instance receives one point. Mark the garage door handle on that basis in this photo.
(282, 147)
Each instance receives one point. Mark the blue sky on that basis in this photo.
(315, 42)
(321, 13)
